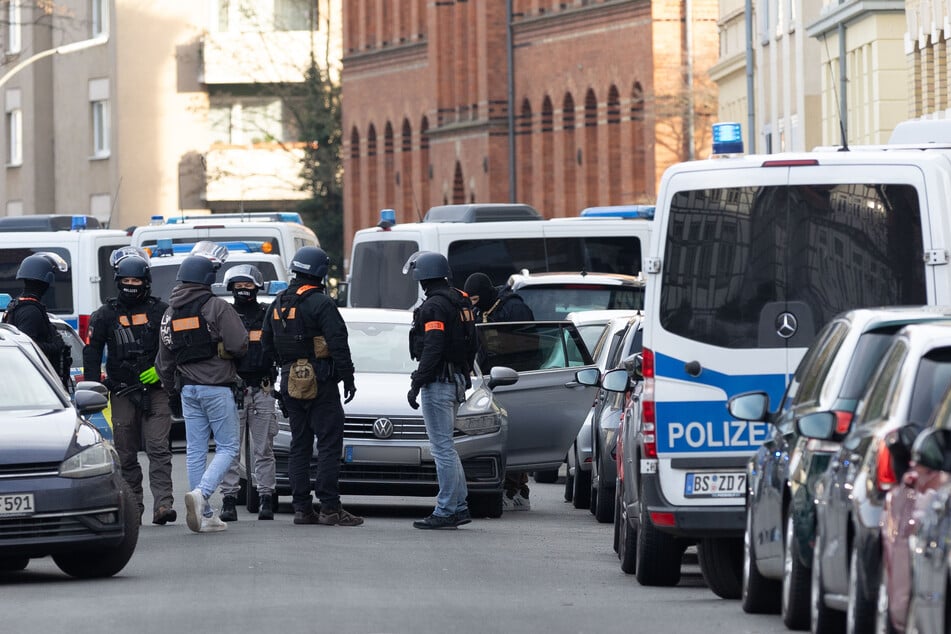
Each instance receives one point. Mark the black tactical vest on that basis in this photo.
(187, 332)
(252, 364)
(292, 340)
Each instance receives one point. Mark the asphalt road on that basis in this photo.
(551, 570)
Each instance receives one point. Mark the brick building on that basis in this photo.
(605, 93)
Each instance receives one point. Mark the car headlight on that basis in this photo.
(92, 461)
(479, 424)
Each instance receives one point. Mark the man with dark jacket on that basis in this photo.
(306, 334)
(495, 304)
(201, 336)
(28, 313)
(127, 327)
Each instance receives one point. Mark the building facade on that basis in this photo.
(188, 106)
(562, 105)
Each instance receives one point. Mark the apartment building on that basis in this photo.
(188, 106)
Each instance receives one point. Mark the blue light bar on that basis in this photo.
(727, 138)
(645, 212)
(277, 216)
(165, 246)
(78, 223)
(5, 300)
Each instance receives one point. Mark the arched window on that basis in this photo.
(548, 156)
(639, 165)
(591, 152)
(570, 157)
(373, 172)
(389, 167)
(613, 157)
(524, 167)
(407, 178)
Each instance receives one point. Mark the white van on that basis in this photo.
(90, 279)
(497, 247)
(749, 258)
(280, 233)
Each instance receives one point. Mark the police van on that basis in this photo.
(496, 239)
(749, 258)
(85, 247)
(280, 233)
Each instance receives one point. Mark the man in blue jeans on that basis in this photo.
(200, 337)
(440, 381)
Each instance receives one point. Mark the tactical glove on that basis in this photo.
(349, 389)
(411, 397)
(149, 377)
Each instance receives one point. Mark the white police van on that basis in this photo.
(77, 239)
(749, 258)
(497, 239)
(279, 233)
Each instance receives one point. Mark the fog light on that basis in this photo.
(107, 518)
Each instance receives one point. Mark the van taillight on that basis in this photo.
(83, 327)
(648, 413)
(885, 477)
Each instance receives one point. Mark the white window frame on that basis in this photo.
(99, 12)
(100, 128)
(15, 138)
(14, 31)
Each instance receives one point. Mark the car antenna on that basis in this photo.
(115, 201)
(412, 191)
(835, 93)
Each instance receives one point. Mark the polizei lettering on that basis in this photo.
(714, 435)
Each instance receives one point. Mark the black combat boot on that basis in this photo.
(266, 512)
(228, 511)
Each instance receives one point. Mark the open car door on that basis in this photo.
(547, 406)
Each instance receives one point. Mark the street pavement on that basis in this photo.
(551, 570)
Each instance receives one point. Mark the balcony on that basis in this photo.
(258, 57)
(260, 172)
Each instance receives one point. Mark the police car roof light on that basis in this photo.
(78, 223)
(277, 216)
(727, 138)
(620, 211)
(5, 300)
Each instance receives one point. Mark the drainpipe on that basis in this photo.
(750, 95)
(510, 55)
(691, 115)
(843, 88)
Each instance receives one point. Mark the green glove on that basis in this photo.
(149, 377)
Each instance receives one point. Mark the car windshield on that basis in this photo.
(379, 347)
(24, 386)
(531, 346)
(555, 301)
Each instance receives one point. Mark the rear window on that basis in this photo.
(932, 381)
(59, 297)
(377, 279)
(163, 277)
(736, 257)
(869, 351)
(555, 301)
(501, 257)
(531, 346)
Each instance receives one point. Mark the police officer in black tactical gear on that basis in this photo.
(28, 313)
(257, 418)
(307, 336)
(439, 381)
(127, 327)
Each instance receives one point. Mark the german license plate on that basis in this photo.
(381, 455)
(715, 485)
(16, 504)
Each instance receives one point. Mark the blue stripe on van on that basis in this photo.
(72, 321)
(706, 426)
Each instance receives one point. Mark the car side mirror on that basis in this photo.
(341, 292)
(750, 406)
(89, 402)
(932, 449)
(501, 375)
(616, 381)
(93, 386)
(634, 365)
(819, 425)
(588, 376)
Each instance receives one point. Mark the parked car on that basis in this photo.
(385, 447)
(71, 337)
(556, 295)
(905, 390)
(781, 475)
(62, 494)
(606, 417)
(580, 454)
(922, 464)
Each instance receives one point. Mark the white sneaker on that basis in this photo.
(194, 507)
(213, 524)
(519, 503)
(506, 503)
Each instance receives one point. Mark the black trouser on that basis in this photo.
(322, 417)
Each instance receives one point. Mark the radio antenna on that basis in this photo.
(835, 94)
(412, 191)
(115, 201)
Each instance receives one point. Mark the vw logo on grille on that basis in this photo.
(786, 325)
(383, 428)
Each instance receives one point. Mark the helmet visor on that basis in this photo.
(56, 260)
(217, 253)
(123, 252)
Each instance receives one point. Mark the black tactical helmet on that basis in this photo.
(311, 261)
(197, 269)
(42, 267)
(427, 265)
(243, 273)
(134, 266)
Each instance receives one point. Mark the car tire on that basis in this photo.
(254, 500)
(105, 562)
(721, 563)
(796, 597)
(485, 504)
(823, 619)
(581, 496)
(569, 486)
(863, 602)
(658, 554)
(548, 476)
(759, 595)
(13, 564)
(618, 500)
(604, 503)
(626, 536)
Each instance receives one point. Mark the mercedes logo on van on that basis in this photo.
(383, 428)
(786, 325)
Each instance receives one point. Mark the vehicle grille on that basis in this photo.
(398, 473)
(403, 429)
(29, 470)
(33, 527)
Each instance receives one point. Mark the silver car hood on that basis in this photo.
(381, 394)
(30, 436)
